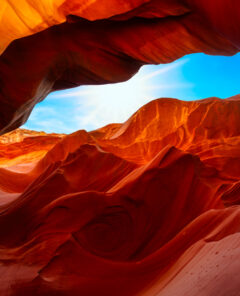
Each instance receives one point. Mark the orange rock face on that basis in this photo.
(96, 42)
(19, 152)
(147, 207)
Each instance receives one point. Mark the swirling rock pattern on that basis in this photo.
(147, 207)
(64, 43)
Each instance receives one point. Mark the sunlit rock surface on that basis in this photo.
(20, 150)
(20, 146)
(147, 207)
(59, 44)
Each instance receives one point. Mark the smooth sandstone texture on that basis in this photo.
(147, 207)
(61, 44)
(19, 152)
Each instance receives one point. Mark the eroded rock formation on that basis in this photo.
(60, 44)
(19, 152)
(147, 207)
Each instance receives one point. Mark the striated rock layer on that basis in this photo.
(147, 207)
(59, 44)
(19, 152)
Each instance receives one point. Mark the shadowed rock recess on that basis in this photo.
(149, 207)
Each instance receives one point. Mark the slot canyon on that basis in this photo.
(147, 207)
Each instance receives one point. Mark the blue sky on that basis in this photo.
(193, 77)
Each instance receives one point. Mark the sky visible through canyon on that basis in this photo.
(192, 77)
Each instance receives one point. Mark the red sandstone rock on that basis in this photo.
(101, 42)
(147, 207)
(19, 152)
